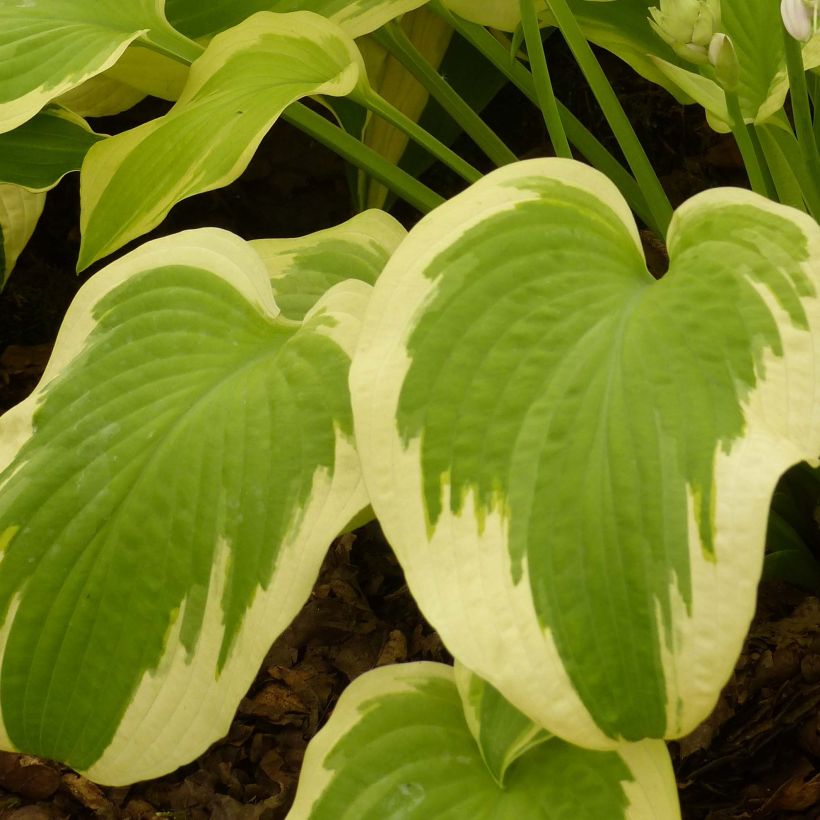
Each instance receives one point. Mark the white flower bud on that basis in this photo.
(799, 18)
(722, 56)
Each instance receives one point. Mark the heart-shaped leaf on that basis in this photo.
(50, 46)
(235, 91)
(167, 495)
(398, 746)
(19, 211)
(573, 461)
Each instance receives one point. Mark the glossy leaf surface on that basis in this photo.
(579, 456)
(167, 495)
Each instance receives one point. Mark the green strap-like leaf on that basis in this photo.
(573, 461)
(302, 269)
(356, 17)
(50, 46)
(167, 496)
(397, 747)
(39, 153)
(19, 211)
(235, 92)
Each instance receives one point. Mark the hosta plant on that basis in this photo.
(575, 454)
(572, 460)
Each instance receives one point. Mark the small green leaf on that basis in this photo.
(397, 747)
(40, 152)
(235, 91)
(303, 269)
(578, 456)
(167, 495)
(19, 211)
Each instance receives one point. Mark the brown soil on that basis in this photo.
(758, 756)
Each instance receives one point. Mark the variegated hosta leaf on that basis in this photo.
(302, 269)
(573, 461)
(356, 17)
(19, 211)
(235, 91)
(398, 746)
(166, 497)
(50, 46)
(40, 152)
(502, 733)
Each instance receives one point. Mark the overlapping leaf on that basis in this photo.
(138, 72)
(502, 733)
(579, 457)
(302, 269)
(398, 746)
(50, 46)
(19, 211)
(39, 153)
(166, 497)
(235, 91)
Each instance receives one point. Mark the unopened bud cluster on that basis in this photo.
(687, 26)
(692, 29)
